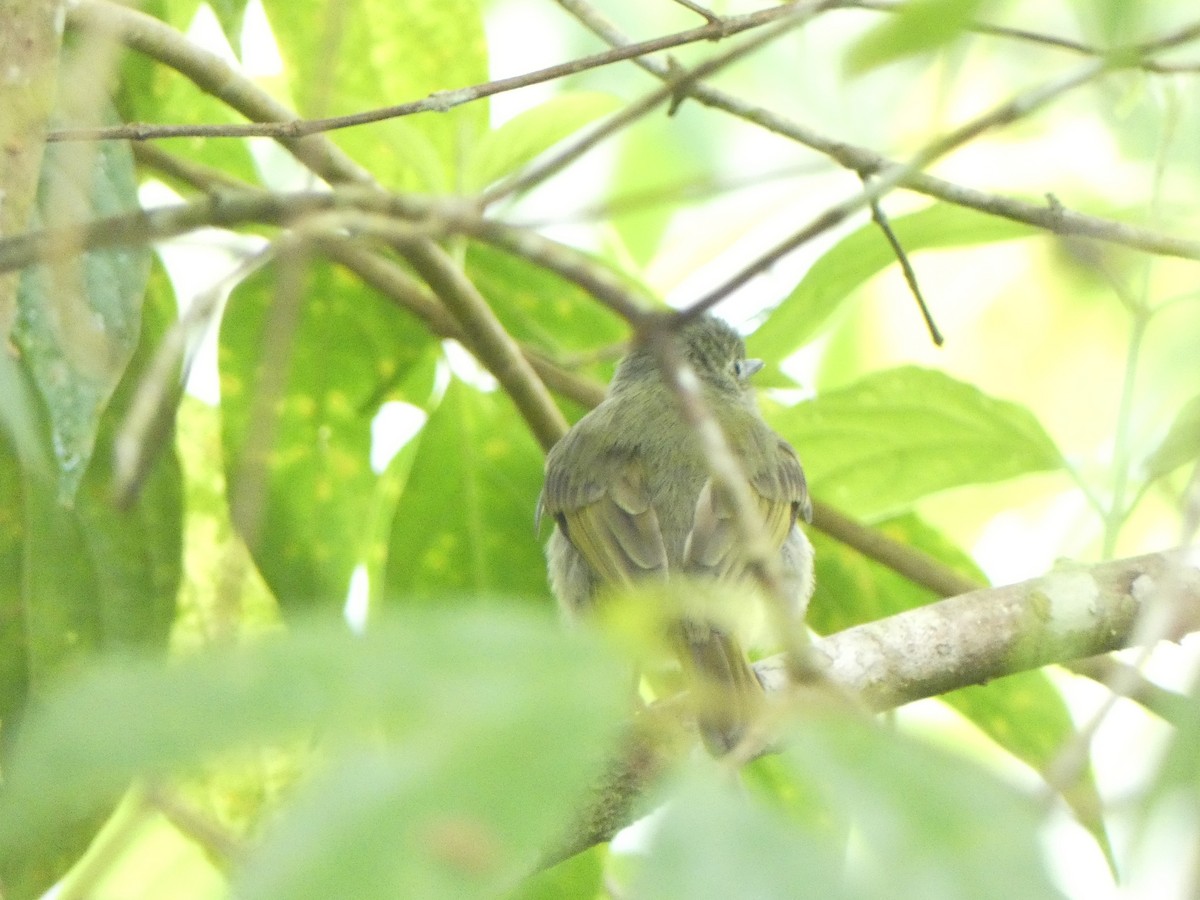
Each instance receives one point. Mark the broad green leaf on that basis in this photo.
(852, 589)
(919, 838)
(656, 163)
(857, 257)
(916, 27)
(581, 877)
(1027, 716)
(441, 726)
(350, 347)
(1182, 443)
(157, 861)
(78, 318)
(902, 434)
(713, 841)
(538, 306)
(464, 523)
(523, 137)
(350, 57)
(80, 580)
(152, 92)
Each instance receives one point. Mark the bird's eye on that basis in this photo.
(744, 368)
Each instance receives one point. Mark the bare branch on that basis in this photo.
(1053, 218)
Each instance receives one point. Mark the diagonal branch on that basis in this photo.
(1064, 615)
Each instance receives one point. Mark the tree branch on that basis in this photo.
(1052, 217)
(1066, 614)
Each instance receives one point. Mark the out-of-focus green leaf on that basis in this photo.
(916, 27)
(1182, 443)
(712, 841)
(313, 523)
(442, 725)
(852, 589)
(532, 132)
(580, 877)
(83, 579)
(538, 306)
(918, 837)
(465, 520)
(902, 434)
(350, 57)
(1027, 716)
(149, 91)
(78, 318)
(854, 259)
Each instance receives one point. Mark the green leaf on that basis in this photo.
(78, 319)
(852, 589)
(916, 27)
(350, 57)
(80, 580)
(581, 877)
(348, 350)
(712, 842)
(525, 136)
(1181, 445)
(853, 260)
(1027, 716)
(537, 306)
(442, 726)
(902, 434)
(918, 837)
(465, 520)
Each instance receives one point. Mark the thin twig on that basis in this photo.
(679, 82)
(439, 101)
(1055, 219)
(910, 276)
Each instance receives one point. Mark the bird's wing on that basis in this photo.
(609, 518)
(714, 548)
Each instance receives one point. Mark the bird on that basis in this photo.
(630, 490)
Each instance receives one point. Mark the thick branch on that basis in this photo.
(1067, 614)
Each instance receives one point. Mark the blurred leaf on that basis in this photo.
(485, 709)
(655, 161)
(149, 91)
(83, 579)
(350, 57)
(1027, 716)
(465, 520)
(852, 589)
(581, 877)
(919, 838)
(349, 348)
(916, 27)
(713, 842)
(525, 136)
(78, 318)
(1181, 445)
(158, 861)
(538, 306)
(858, 256)
(902, 434)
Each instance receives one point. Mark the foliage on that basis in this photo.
(392, 709)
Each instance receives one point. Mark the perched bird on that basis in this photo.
(630, 491)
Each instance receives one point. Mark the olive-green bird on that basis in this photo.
(629, 489)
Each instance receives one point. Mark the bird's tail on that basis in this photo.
(727, 694)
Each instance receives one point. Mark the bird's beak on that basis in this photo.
(750, 367)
